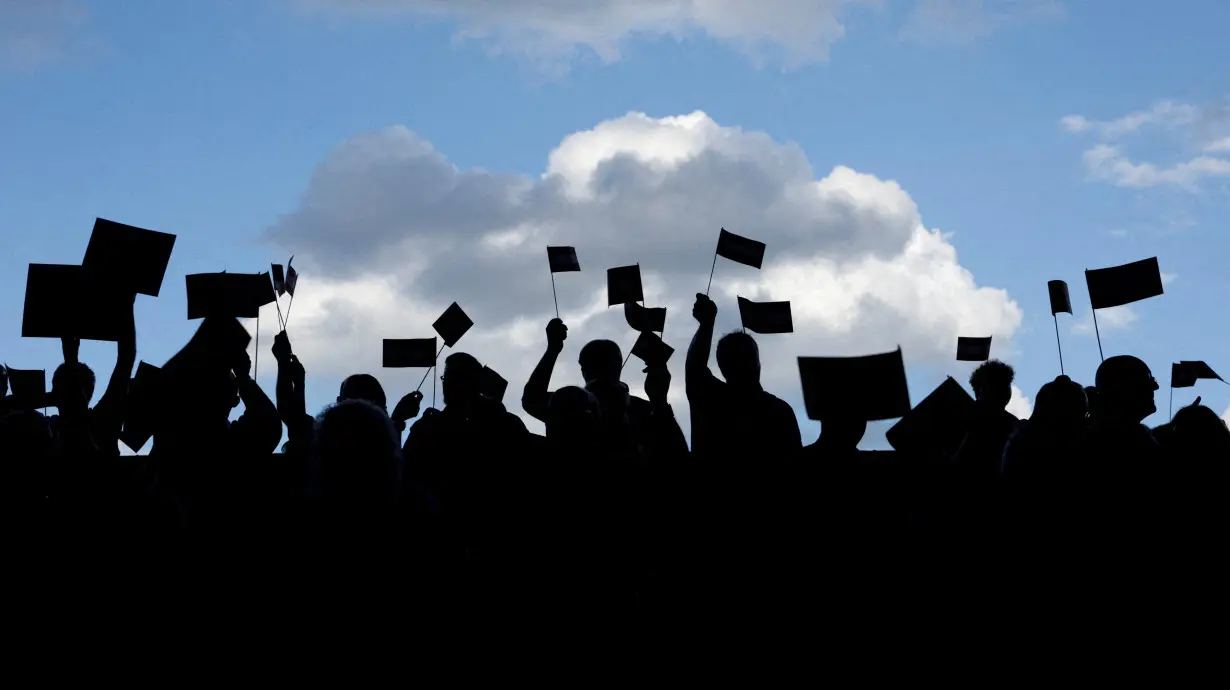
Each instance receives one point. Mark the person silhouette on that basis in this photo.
(980, 456)
(735, 419)
(631, 424)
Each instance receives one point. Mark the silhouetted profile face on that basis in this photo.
(992, 384)
(1125, 388)
(842, 435)
(738, 358)
(573, 416)
(601, 360)
(85, 379)
(1062, 402)
(363, 387)
(462, 379)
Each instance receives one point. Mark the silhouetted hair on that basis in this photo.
(463, 363)
(363, 387)
(993, 374)
(357, 452)
(603, 356)
(84, 373)
(1061, 401)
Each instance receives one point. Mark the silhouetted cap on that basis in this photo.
(28, 387)
(134, 259)
(452, 324)
(230, 295)
(141, 406)
(938, 424)
(869, 388)
(740, 249)
(563, 259)
(406, 354)
(645, 319)
(651, 349)
(72, 302)
(1185, 374)
(492, 385)
(1061, 301)
(1119, 285)
(623, 285)
(279, 279)
(973, 349)
(766, 317)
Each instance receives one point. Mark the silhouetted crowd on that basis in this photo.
(611, 516)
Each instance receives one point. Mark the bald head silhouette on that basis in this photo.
(1125, 389)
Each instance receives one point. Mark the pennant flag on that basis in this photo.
(73, 302)
(410, 354)
(871, 388)
(132, 258)
(492, 385)
(279, 279)
(643, 319)
(28, 387)
(1185, 374)
(973, 349)
(238, 295)
(623, 285)
(651, 349)
(938, 425)
(452, 324)
(740, 249)
(1061, 301)
(1119, 285)
(292, 279)
(766, 317)
(563, 259)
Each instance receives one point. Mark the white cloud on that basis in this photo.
(34, 33)
(1112, 319)
(1226, 416)
(1020, 404)
(789, 32)
(389, 233)
(1106, 161)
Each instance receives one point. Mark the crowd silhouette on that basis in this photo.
(462, 515)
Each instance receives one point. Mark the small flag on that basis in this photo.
(645, 319)
(740, 249)
(410, 354)
(452, 324)
(938, 425)
(28, 387)
(870, 388)
(1061, 301)
(766, 317)
(623, 285)
(292, 279)
(651, 349)
(1185, 374)
(492, 385)
(563, 259)
(973, 349)
(279, 279)
(1119, 285)
(132, 258)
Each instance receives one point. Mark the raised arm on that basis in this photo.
(666, 439)
(108, 415)
(260, 424)
(536, 396)
(696, 375)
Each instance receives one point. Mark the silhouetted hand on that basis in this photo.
(71, 347)
(557, 333)
(407, 408)
(704, 311)
(242, 366)
(657, 383)
(281, 347)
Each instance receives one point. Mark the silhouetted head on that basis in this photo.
(992, 384)
(573, 417)
(601, 360)
(462, 379)
(363, 387)
(738, 358)
(1061, 402)
(63, 377)
(1125, 389)
(357, 454)
(841, 435)
(1199, 432)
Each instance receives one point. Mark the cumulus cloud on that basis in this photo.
(34, 33)
(789, 32)
(1204, 127)
(1020, 404)
(388, 233)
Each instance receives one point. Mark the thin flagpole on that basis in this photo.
(1172, 401)
(712, 269)
(1099, 334)
(433, 367)
(288, 308)
(256, 365)
(553, 295)
(1057, 343)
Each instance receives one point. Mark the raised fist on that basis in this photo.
(704, 311)
(557, 333)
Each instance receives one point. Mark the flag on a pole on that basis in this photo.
(1120, 285)
(740, 249)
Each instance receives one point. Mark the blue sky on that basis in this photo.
(210, 119)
